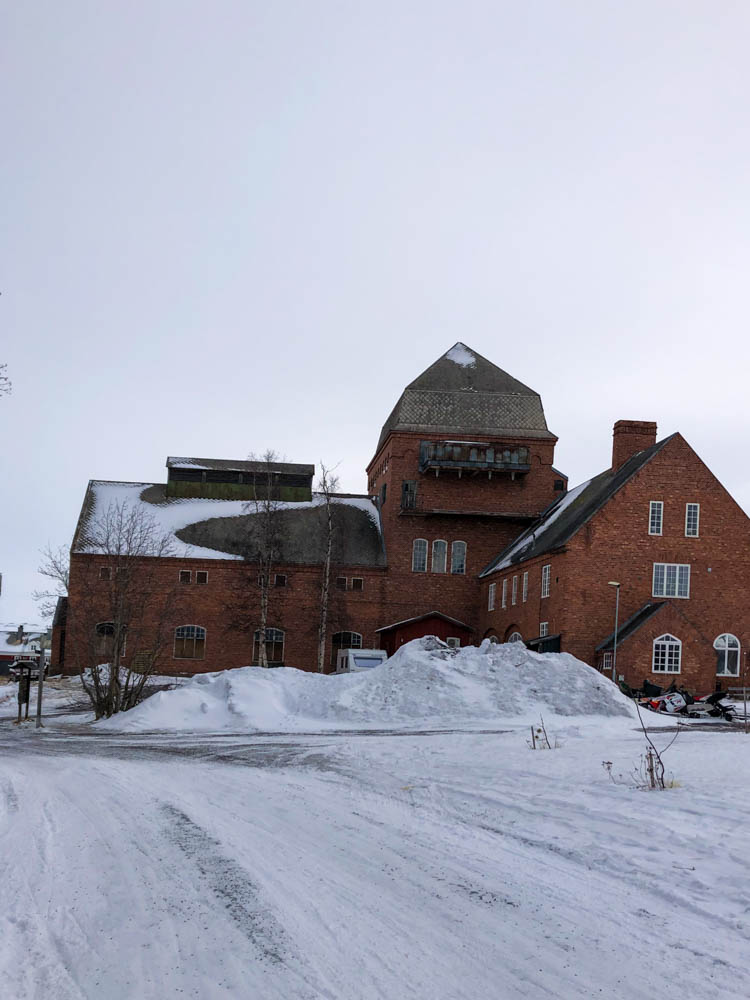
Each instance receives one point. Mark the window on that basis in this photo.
(279, 580)
(671, 580)
(344, 640)
(105, 639)
(105, 573)
(491, 597)
(546, 570)
(667, 653)
(559, 485)
(189, 642)
(340, 583)
(408, 495)
(504, 602)
(525, 587)
(515, 637)
(607, 663)
(185, 576)
(692, 517)
(383, 494)
(514, 591)
(458, 557)
(201, 576)
(655, 517)
(543, 628)
(274, 647)
(453, 641)
(358, 583)
(439, 556)
(727, 655)
(419, 556)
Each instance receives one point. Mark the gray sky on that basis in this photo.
(230, 226)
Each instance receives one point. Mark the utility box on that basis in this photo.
(351, 661)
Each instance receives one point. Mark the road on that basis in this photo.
(440, 866)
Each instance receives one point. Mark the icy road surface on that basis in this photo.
(437, 866)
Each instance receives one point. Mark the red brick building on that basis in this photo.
(463, 470)
(661, 531)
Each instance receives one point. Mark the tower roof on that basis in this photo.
(464, 393)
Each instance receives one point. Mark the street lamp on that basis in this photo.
(616, 585)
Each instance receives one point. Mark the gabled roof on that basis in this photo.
(632, 625)
(464, 393)
(421, 618)
(568, 515)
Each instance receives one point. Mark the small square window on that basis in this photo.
(279, 580)
(341, 583)
(105, 573)
(201, 576)
(453, 641)
(186, 576)
(358, 583)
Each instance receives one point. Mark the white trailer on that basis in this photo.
(351, 661)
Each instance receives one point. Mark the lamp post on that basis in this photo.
(616, 585)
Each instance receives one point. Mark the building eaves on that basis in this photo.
(421, 618)
(236, 465)
(629, 627)
(561, 521)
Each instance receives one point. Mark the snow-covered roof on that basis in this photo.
(10, 644)
(202, 528)
(238, 465)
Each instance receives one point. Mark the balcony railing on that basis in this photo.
(473, 457)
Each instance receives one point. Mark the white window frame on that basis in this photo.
(543, 629)
(186, 633)
(725, 648)
(679, 571)
(515, 637)
(491, 597)
(436, 562)
(514, 591)
(670, 642)
(414, 549)
(656, 507)
(696, 533)
(201, 572)
(453, 641)
(546, 579)
(525, 587)
(607, 663)
(454, 549)
(504, 601)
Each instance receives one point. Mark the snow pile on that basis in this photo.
(425, 684)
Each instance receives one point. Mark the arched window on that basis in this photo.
(667, 655)
(274, 647)
(419, 556)
(515, 637)
(104, 642)
(439, 555)
(344, 640)
(727, 648)
(458, 557)
(189, 642)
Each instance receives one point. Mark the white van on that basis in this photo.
(350, 661)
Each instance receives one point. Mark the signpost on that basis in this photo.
(39, 687)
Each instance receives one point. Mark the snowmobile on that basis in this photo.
(676, 701)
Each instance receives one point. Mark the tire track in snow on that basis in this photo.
(241, 897)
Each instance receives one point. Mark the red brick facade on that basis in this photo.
(615, 545)
(476, 507)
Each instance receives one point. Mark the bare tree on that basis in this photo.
(56, 567)
(328, 484)
(119, 605)
(5, 383)
(263, 540)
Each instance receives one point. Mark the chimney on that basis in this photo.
(629, 437)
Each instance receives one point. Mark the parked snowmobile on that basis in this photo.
(675, 701)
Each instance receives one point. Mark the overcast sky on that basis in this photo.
(229, 226)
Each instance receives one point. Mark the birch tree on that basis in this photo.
(5, 383)
(263, 540)
(55, 566)
(328, 484)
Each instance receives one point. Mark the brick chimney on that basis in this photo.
(629, 437)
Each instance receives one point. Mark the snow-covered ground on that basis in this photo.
(359, 865)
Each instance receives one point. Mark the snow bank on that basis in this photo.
(425, 684)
